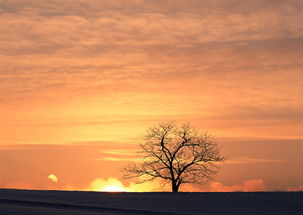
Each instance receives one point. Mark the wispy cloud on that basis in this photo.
(255, 185)
(251, 160)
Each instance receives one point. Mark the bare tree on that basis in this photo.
(177, 154)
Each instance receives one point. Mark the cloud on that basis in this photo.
(119, 159)
(254, 185)
(84, 28)
(119, 155)
(17, 184)
(148, 187)
(251, 160)
(53, 178)
(247, 186)
(298, 188)
(122, 45)
(120, 152)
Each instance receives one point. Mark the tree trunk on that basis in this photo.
(175, 186)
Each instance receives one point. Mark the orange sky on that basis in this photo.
(81, 80)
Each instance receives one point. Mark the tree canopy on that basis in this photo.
(177, 154)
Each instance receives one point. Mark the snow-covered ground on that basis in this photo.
(88, 203)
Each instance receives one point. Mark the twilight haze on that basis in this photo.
(81, 80)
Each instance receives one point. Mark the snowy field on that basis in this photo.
(89, 203)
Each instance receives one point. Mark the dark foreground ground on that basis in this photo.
(89, 203)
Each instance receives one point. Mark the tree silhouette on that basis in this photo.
(177, 154)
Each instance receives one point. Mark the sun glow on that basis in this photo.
(108, 185)
(113, 188)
